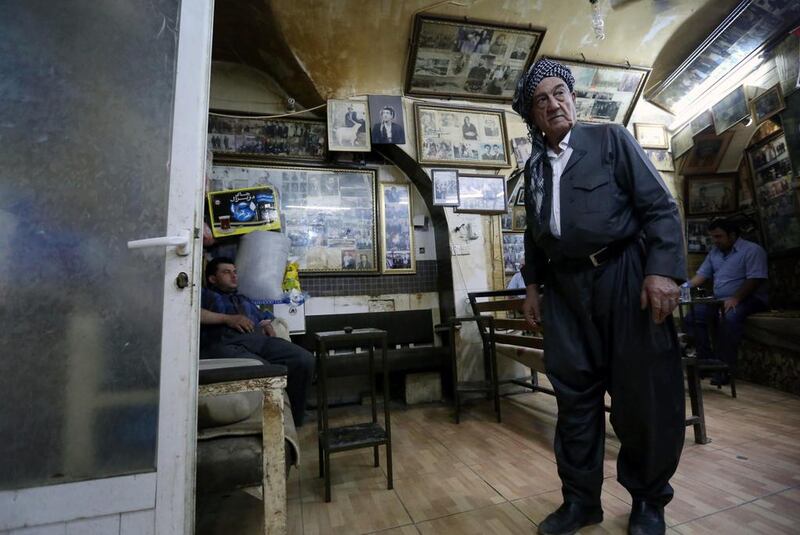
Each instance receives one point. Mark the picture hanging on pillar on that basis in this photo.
(466, 59)
(767, 104)
(397, 234)
(605, 93)
(348, 126)
(445, 187)
(461, 137)
(513, 251)
(329, 213)
(263, 138)
(706, 154)
(481, 194)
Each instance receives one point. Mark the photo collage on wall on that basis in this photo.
(267, 138)
(330, 214)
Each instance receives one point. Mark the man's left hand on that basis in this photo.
(730, 304)
(266, 326)
(661, 295)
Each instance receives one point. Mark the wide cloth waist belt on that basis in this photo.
(597, 258)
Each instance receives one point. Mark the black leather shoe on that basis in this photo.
(646, 519)
(569, 518)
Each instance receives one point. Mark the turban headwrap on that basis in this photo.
(522, 103)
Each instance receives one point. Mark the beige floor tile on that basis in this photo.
(516, 478)
(503, 519)
(748, 519)
(439, 494)
(353, 511)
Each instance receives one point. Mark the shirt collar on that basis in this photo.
(563, 144)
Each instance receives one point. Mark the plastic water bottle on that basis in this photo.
(686, 293)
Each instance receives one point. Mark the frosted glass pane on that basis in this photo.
(86, 92)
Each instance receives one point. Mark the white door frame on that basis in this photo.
(170, 490)
(177, 418)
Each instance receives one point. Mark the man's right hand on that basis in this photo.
(530, 308)
(239, 322)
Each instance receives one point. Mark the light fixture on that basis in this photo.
(598, 25)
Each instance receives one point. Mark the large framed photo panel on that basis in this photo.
(465, 137)
(468, 59)
(330, 214)
(397, 234)
(710, 195)
(262, 138)
(605, 93)
(481, 194)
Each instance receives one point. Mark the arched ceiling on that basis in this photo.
(338, 48)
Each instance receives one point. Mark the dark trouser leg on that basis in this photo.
(696, 325)
(731, 328)
(572, 360)
(646, 382)
(299, 363)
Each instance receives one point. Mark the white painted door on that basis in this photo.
(103, 110)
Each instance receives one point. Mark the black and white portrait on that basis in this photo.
(388, 126)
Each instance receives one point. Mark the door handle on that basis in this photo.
(181, 243)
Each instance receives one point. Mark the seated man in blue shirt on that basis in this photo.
(739, 270)
(232, 326)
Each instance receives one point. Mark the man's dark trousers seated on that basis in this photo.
(299, 362)
(232, 326)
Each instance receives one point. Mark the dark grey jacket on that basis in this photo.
(609, 191)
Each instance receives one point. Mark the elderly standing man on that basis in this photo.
(604, 237)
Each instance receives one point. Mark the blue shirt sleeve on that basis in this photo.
(706, 269)
(756, 263)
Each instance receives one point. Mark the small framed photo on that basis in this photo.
(651, 136)
(506, 220)
(521, 195)
(730, 110)
(661, 159)
(682, 141)
(519, 221)
(348, 126)
(711, 195)
(522, 150)
(389, 126)
(397, 234)
(445, 187)
(767, 104)
(513, 251)
(697, 238)
(706, 154)
(481, 194)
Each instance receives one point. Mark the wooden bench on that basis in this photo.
(505, 332)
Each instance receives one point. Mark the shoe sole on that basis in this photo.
(590, 522)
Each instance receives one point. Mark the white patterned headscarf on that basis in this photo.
(522, 103)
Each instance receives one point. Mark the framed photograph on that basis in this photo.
(521, 195)
(348, 126)
(605, 93)
(456, 57)
(697, 238)
(397, 234)
(506, 220)
(706, 154)
(786, 64)
(710, 195)
(519, 221)
(770, 163)
(522, 150)
(470, 137)
(743, 34)
(730, 110)
(651, 136)
(445, 187)
(326, 212)
(701, 122)
(661, 159)
(746, 195)
(790, 118)
(780, 221)
(513, 251)
(767, 104)
(261, 138)
(481, 194)
(388, 126)
(682, 141)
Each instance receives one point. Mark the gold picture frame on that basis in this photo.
(397, 232)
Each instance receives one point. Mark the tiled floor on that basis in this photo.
(481, 477)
